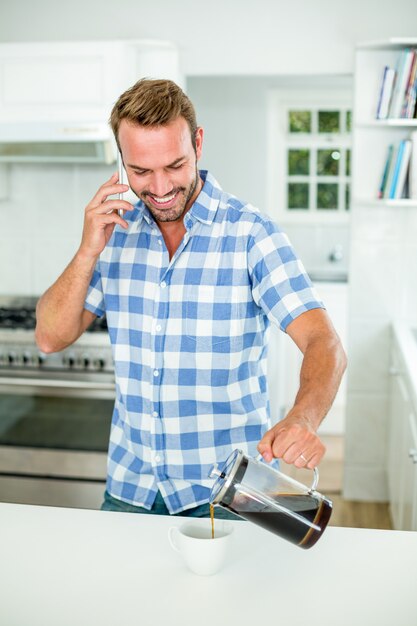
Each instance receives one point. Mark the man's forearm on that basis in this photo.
(322, 369)
(59, 311)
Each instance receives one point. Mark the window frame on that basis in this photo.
(311, 98)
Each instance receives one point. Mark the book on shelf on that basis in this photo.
(397, 96)
(400, 182)
(396, 174)
(390, 172)
(385, 94)
(409, 102)
(404, 68)
(387, 166)
(412, 183)
(385, 172)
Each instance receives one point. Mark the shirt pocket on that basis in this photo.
(212, 317)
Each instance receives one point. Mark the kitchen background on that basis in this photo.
(240, 62)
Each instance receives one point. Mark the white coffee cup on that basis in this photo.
(202, 554)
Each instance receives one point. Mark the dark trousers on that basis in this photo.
(159, 508)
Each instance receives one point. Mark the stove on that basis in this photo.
(20, 313)
(55, 412)
(91, 353)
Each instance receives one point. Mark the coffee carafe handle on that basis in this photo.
(313, 485)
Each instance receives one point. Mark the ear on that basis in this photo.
(199, 133)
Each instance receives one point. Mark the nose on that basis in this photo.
(160, 184)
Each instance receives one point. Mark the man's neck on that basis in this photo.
(173, 232)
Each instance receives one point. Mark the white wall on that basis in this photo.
(222, 37)
(41, 222)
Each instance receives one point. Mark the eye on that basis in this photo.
(176, 167)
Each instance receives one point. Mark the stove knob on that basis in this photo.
(40, 359)
(99, 364)
(27, 358)
(68, 361)
(11, 358)
(85, 361)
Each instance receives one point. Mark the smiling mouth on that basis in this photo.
(165, 201)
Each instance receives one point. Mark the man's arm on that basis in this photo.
(60, 314)
(323, 365)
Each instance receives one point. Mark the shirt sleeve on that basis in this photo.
(280, 284)
(94, 300)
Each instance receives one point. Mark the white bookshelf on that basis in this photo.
(371, 137)
(404, 203)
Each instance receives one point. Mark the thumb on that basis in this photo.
(265, 446)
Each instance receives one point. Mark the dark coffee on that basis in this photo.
(212, 520)
(308, 507)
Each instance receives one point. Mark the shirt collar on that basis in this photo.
(205, 205)
(203, 209)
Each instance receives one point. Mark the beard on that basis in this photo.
(174, 213)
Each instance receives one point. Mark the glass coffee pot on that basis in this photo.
(261, 494)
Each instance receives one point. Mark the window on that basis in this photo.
(310, 154)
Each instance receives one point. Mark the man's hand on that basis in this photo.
(293, 440)
(101, 217)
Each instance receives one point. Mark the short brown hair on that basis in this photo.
(153, 103)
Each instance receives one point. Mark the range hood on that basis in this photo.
(56, 97)
(56, 142)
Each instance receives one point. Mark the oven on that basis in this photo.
(55, 413)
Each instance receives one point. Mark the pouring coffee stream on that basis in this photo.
(263, 495)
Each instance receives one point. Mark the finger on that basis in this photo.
(315, 459)
(289, 442)
(293, 455)
(265, 446)
(306, 444)
(302, 459)
(278, 443)
(310, 457)
(111, 205)
(106, 191)
(114, 218)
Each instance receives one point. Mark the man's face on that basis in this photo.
(161, 166)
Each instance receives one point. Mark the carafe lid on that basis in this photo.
(225, 476)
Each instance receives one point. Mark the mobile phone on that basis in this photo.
(121, 178)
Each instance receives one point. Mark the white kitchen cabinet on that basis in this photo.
(399, 409)
(56, 97)
(402, 449)
(87, 77)
(409, 463)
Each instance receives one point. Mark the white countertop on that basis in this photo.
(76, 567)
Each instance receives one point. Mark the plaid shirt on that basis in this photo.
(189, 338)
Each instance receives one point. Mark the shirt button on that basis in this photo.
(157, 458)
(155, 414)
(160, 242)
(158, 328)
(163, 284)
(155, 373)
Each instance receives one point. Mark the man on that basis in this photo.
(190, 279)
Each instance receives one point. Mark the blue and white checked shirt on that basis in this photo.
(189, 339)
